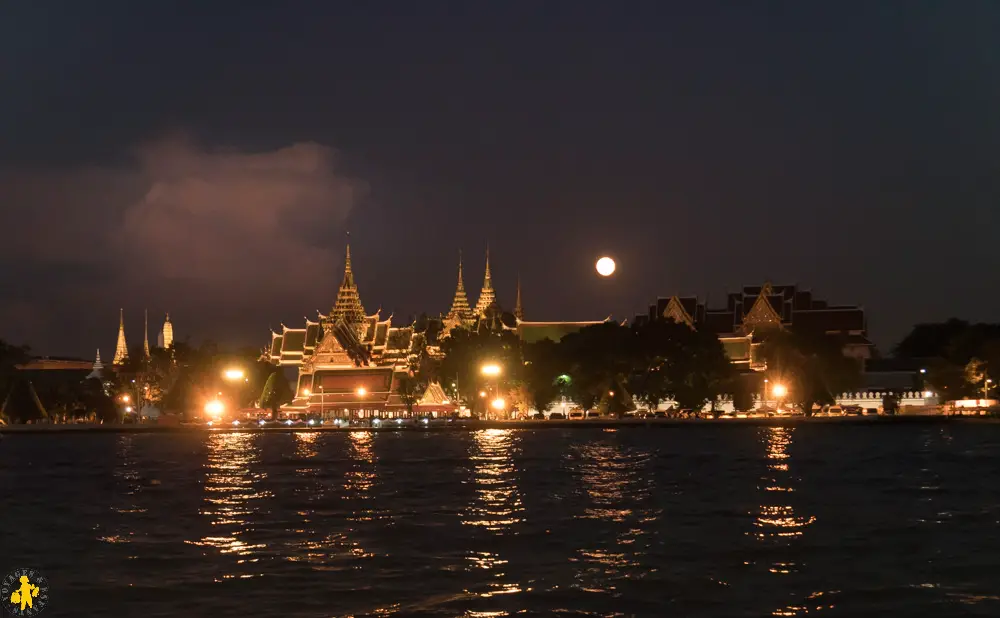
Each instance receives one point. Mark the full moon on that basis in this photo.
(605, 267)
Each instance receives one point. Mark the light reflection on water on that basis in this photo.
(497, 508)
(776, 518)
(232, 496)
(127, 487)
(886, 521)
(618, 483)
(779, 526)
(498, 503)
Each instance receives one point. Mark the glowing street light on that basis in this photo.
(362, 391)
(306, 392)
(215, 407)
(233, 374)
(482, 393)
(779, 390)
(125, 398)
(491, 369)
(499, 403)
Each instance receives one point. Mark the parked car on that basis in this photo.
(557, 416)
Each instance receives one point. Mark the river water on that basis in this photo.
(685, 521)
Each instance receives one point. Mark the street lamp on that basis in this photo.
(233, 374)
(499, 403)
(779, 391)
(986, 388)
(361, 392)
(214, 407)
(491, 369)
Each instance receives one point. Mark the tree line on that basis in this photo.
(614, 368)
(958, 357)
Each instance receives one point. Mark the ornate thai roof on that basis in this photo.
(487, 296)
(348, 306)
(460, 309)
(121, 349)
(676, 311)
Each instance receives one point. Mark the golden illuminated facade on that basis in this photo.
(350, 363)
(121, 348)
(166, 337)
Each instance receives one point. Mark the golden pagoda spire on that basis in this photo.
(168, 333)
(348, 306)
(518, 311)
(145, 336)
(460, 304)
(487, 296)
(121, 350)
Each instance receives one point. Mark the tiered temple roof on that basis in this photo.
(755, 309)
(348, 359)
(487, 296)
(121, 349)
(460, 313)
(348, 306)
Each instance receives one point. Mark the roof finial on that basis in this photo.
(145, 336)
(518, 311)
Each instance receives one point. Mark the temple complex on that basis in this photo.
(751, 312)
(165, 339)
(350, 363)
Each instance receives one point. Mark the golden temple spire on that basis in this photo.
(460, 304)
(167, 333)
(121, 350)
(348, 306)
(145, 336)
(518, 311)
(487, 296)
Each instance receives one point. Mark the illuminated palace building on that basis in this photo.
(754, 309)
(350, 363)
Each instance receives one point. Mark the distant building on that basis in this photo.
(121, 348)
(165, 339)
(754, 309)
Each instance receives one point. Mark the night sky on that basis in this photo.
(207, 158)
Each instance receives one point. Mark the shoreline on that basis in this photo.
(478, 425)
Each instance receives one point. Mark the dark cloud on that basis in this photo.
(179, 228)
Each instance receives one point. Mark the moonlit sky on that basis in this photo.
(207, 158)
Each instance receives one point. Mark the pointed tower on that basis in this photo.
(145, 335)
(167, 333)
(460, 309)
(487, 296)
(348, 306)
(121, 350)
(97, 371)
(518, 311)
